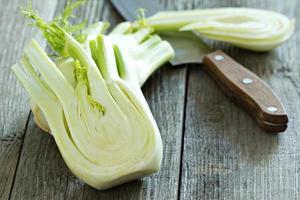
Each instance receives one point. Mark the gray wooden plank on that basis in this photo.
(226, 156)
(167, 101)
(41, 172)
(14, 109)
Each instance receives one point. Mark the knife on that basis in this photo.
(241, 85)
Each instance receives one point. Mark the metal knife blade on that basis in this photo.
(128, 9)
(240, 84)
(188, 47)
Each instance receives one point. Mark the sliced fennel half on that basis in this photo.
(103, 126)
(144, 52)
(248, 28)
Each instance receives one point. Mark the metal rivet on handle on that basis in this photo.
(218, 57)
(272, 109)
(247, 81)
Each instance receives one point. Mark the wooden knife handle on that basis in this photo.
(246, 89)
(273, 128)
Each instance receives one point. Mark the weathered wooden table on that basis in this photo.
(212, 148)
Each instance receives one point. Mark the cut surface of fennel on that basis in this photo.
(144, 52)
(248, 28)
(102, 124)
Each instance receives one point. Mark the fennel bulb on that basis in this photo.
(248, 28)
(103, 127)
(91, 101)
(147, 52)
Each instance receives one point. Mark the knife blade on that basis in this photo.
(240, 84)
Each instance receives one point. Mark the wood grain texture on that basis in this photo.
(13, 102)
(226, 155)
(41, 172)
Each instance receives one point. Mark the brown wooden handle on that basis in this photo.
(268, 127)
(247, 89)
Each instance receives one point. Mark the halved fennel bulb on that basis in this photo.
(103, 126)
(144, 52)
(248, 28)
